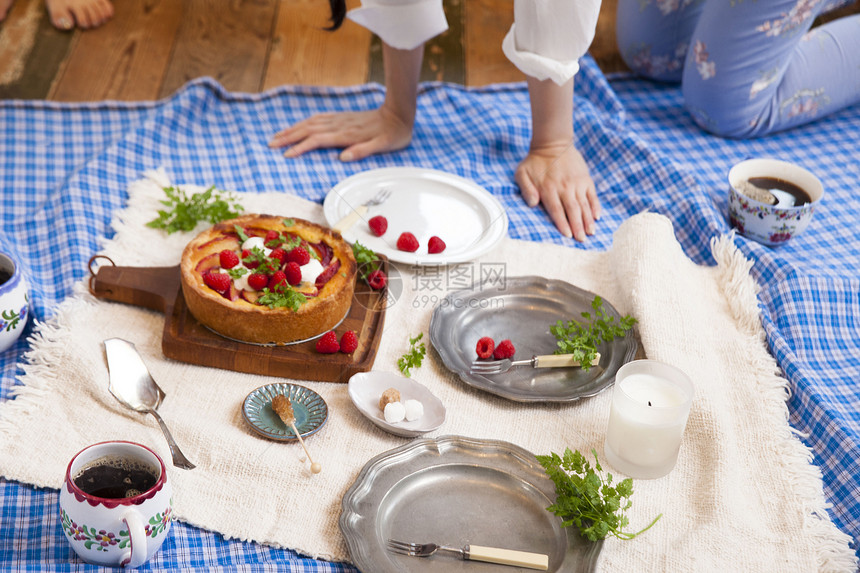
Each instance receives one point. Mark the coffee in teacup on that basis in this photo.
(116, 477)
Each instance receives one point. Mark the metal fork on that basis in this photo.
(542, 361)
(473, 553)
(353, 216)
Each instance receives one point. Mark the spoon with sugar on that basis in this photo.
(282, 406)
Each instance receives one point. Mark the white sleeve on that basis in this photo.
(549, 36)
(402, 24)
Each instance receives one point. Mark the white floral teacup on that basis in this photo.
(116, 504)
(14, 302)
(766, 223)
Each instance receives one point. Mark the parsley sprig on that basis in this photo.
(581, 339)
(588, 499)
(414, 357)
(184, 212)
(368, 261)
(282, 296)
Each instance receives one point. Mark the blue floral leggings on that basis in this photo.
(747, 67)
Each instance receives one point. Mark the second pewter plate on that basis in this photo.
(522, 309)
(425, 202)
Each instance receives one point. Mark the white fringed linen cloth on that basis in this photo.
(743, 496)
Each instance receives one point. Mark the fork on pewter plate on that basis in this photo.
(542, 361)
(355, 214)
(473, 553)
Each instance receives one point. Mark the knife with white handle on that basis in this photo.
(507, 557)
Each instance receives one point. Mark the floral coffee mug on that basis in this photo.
(14, 307)
(116, 504)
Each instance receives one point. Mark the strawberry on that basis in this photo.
(435, 245)
(377, 280)
(217, 281)
(505, 349)
(228, 259)
(378, 225)
(258, 281)
(272, 240)
(250, 264)
(293, 273)
(348, 342)
(407, 242)
(279, 278)
(328, 343)
(485, 347)
(279, 254)
(299, 255)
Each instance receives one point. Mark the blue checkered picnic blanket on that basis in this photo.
(66, 168)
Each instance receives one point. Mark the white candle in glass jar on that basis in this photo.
(650, 405)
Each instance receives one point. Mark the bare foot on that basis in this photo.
(4, 8)
(66, 14)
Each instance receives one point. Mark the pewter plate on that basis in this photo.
(456, 491)
(522, 309)
(309, 408)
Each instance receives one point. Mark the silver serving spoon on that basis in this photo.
(132, 385)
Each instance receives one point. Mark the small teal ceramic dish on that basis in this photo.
(773, 216)
(309, 408)
(14, 302)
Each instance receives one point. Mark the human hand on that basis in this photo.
(557, 176)
(360, 133)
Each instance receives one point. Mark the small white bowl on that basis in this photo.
(771, 225)
(365, 388)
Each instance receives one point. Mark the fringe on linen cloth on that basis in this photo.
(742, 296)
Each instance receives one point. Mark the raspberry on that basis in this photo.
(407, 242)
(505, 349)
(378, 225)
(485, 347)
(293, 273)
(272, 240)
(258, 281)
(328, 343)
(250, 264)
(377, 280)
(348, 342)
(228, 259)
(435, 245)
(217, 281)
(279, 278)
(279, 254)
(299, 255)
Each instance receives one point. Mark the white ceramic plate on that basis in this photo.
(365, 388)
(424, 202)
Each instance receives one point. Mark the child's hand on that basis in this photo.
(558, 177)
(361, 133)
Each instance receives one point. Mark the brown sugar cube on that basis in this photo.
(389, 396)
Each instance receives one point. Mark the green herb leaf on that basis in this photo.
(266, 265)
(581, 339)
(367, 260)
(237, 272)
(586, 497)
(184, 212)
(414, 357)
(241, 232)
(282, 296)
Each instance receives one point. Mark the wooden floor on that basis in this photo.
(152, 47)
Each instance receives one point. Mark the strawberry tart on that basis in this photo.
(267, 279)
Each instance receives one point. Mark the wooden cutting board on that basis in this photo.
(186, 340)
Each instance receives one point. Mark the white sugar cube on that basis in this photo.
(414, 410)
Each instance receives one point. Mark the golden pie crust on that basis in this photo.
(234, 316)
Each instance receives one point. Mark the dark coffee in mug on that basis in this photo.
(116, 477)
(786, 192)
(4, 275)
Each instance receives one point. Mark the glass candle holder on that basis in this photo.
(650, 406)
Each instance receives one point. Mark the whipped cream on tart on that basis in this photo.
(262, 296)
